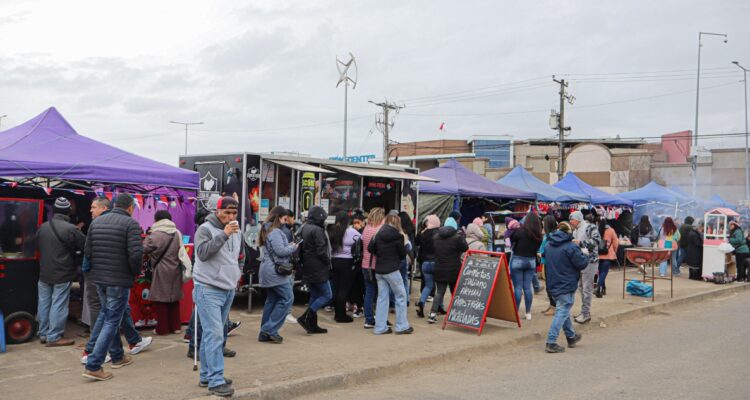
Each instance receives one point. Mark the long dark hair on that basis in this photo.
(337, 231)
(550, 224)
(644, 227)
(668, 227)
(274, 218)
(602, 225)
(406, 224)
(533, 226)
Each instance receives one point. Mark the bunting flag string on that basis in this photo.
(170, 200)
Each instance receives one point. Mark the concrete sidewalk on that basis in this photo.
(304, 364)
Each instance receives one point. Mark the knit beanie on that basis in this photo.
(62, 206)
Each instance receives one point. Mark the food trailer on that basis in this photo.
(715, 233)
(263, 181)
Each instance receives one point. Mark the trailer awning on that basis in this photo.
(300, 166)
(383, 173)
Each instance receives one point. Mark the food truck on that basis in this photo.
(263, 181)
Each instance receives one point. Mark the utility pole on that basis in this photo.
(387, 108)
(186, 130)
(747, 158)
(1, 119)
(561, 128)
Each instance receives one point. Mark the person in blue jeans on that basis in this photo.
(374, 223)
(316, 268)
(564, 263)
(525, 242)
(58, 241)
(389, 248)
(425, 242)
(114, 248)
(135, 341)
(217, 268)
(279, 296)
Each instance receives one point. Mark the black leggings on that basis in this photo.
(437, 301)
(342, 277)
(741, 266)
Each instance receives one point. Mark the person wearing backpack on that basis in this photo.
(607, 256)
(643, 235)
(59, 243)
(277, 282)
(343, 238)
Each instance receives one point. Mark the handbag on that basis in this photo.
(283, 269)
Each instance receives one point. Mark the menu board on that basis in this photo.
(483, 289)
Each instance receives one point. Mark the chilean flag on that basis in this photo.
(442, 126)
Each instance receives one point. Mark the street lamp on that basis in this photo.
(747, 160)
(1, 119)
(697, 98)
(186, 130)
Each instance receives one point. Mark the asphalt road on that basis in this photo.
(694, 352)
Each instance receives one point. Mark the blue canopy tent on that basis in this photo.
(523, 180)
(656, 200)
(572, 183)
(718, 201)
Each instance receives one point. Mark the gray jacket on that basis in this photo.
(282, 250)
(217, 256)
(57, 263)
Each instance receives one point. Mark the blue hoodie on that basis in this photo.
(565, 261)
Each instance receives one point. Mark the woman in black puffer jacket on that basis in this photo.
(389, 248)
(316, 267)
(449, 245)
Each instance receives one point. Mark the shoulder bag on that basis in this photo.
(152, 264)
(283, 269)
(75, 253)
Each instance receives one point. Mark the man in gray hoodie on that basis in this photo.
(587, 237)
(218, 246)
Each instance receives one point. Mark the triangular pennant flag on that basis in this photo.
(48, 190)
(139, 200)
(108, 195)
(163, 199)
(79, 192)
(13, 185)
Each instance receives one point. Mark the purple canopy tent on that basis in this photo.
(457, 182)
(48, 147)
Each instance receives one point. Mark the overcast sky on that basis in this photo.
(261, 75)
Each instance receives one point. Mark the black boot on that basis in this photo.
(604, 291)
(304, 321)
(313, 322)
(420, 310)
(598, 292)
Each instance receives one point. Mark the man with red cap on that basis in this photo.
(218, 246)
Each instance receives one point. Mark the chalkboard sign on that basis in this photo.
(484, 278)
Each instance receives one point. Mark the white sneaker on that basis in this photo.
(142, 345)
(528, 316)
(140, 323)
(85, 358)
(290, 318)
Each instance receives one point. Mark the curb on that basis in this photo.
(313, 384)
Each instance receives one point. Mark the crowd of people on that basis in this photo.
(357, 267)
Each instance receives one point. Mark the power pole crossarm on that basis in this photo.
(186, 130)
(387, 108)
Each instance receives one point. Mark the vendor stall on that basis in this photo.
(45, 158)
(264, 181)
(462, 189)
(716, 259)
